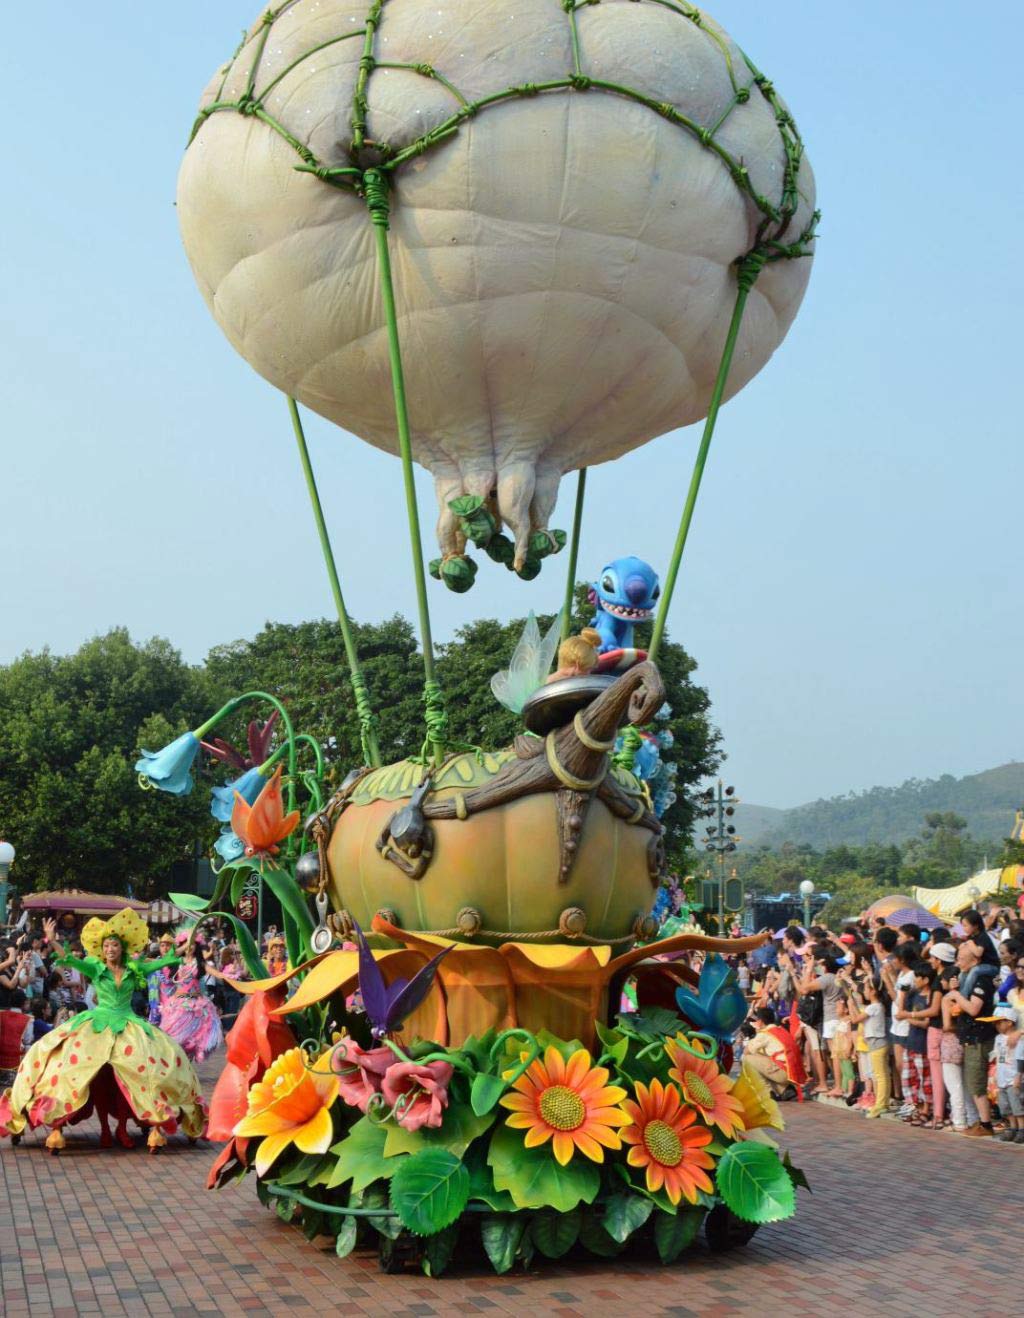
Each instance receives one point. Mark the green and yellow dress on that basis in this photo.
(153, 1075)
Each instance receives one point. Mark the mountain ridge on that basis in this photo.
(987, 800)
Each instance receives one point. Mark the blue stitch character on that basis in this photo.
(626, 593)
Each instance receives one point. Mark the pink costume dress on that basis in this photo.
(188, 1015)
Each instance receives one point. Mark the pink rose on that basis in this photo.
(423, 1091)
(360, 1073)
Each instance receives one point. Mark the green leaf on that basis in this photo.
(529, 570)
(485, 1092)
(434, 568)
(616, 1045)
(300, 1172)
(346, 1239)
(429, 1191)
(754, 1184)
(481, 1181)
(438, 1250)
(361, 1157)
(386, 1223)
(535, 1179)
(795, 1174)
(294, 908)
(651, 1022)
(554, 1234)
(502, 1234)
(624, 1214)
(715, 1149)
(238, 879)
(466, 505)
(188, 901)
(596, 1239)
(312, 1223)
(246, 945)
(657, 1197)
(285, 1209)
(262, 1193)
(673, 1233)
(456, 1133)
(500, 549)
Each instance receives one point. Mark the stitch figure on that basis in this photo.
(625, 594)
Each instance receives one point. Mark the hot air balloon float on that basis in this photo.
(507, 240)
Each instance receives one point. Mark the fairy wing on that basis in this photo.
(530, 664)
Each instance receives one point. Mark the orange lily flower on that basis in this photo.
(262, 825)
(291, 1105)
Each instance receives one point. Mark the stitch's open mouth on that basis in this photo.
(631, 615)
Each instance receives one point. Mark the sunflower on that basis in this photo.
(569, 1103)
(668, 1142)
(290, 1105)
(705, 1087)
(755, 1098)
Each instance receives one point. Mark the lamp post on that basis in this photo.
(974, 892)
(6, 861)
(720, 804)
(806, 891)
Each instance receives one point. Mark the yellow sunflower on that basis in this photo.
(290, 1105)
(667, 1142)
(567, 1102)
(706, 1088)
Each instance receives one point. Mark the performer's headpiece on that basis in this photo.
(127, 926)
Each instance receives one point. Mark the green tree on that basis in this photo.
(71, 729)
(851, 893)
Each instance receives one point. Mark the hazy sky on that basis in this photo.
(852, 587)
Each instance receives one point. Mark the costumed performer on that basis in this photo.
(106, 1059)
(161, 982)
(187, 1014)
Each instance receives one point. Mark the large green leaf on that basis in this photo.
(596, 1239)
(485, 1092)
(429, 1191)
(346, 1239)
(554, 1234)
(624, 1214)
(533, 1177)
(754, 1184)
(246, 945)
(298, 923)
(385, 1223)
(188, 901)
(652, 1022)
(456, 1133)
(616, 1045)
(438, 1250)
(502, 1234)
(302, 1171)
(361, 1157)
(481, 1180)
(795, 1174)
(672, 1233)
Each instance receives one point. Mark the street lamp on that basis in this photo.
(6, 861)
(974, 892)
(721, 836)
(806, 890)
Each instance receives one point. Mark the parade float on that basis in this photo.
(507, 241)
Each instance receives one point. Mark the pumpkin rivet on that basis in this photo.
(575, 823)
(572, 922)
(468, 921)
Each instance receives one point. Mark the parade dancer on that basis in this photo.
(187, 1014)
(106, 1059)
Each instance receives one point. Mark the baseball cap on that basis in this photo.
(848, 939)
(944, 952)
(1003, 1012)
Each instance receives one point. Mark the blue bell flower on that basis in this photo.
(718, 1007)
(248, 786)
(229, 846)
(170, 769)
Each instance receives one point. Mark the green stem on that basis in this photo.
(698, 466)
(367, 718)
(377, 200)
(574, 550)
(235, 703)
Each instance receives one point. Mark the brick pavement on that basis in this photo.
(118, 1233)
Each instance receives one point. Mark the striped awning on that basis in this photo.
(79, 902)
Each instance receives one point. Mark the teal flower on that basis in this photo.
(248, 787)
(229, 846)
(170, 769)
(718, 1007)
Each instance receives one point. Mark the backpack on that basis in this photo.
(811, 1009)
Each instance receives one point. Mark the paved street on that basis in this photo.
(118, 1233)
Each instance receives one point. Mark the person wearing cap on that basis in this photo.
(1008, 1055)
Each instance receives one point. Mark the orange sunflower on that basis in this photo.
(706, 1088)
(567, 1102)
(668, 1142)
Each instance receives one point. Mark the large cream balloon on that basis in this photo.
(563, 263)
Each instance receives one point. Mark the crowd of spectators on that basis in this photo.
(926, 1023)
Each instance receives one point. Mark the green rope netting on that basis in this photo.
(773, 240)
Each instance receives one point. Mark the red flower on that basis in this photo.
(360, 1073)
(253, 1043)
(421, 1092)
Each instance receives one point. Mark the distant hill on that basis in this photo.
(891, 814)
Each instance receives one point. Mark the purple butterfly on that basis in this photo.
(387, 1005)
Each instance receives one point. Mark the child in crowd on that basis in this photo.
(842, 1049)
(914, 1008)
(866, 1008)
(1008, 1055)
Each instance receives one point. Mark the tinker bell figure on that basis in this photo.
(106, 1060)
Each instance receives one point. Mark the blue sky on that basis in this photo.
(852, 583)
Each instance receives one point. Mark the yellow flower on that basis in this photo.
(567, 1102)
(290, 1105)
(755, 1096)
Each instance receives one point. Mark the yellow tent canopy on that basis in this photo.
(949, 902)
